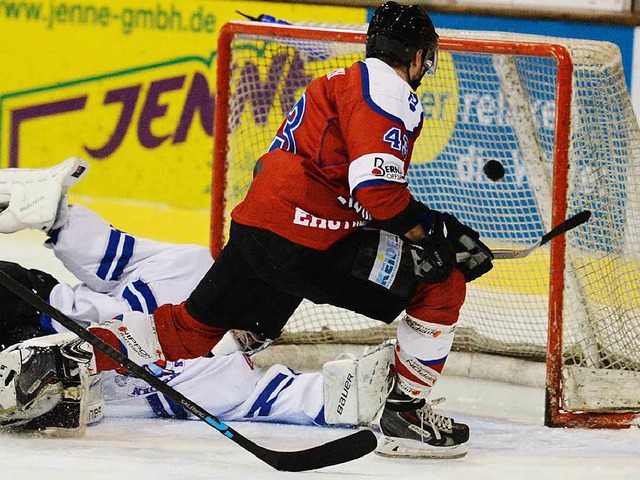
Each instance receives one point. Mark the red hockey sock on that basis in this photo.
(182, 336)
(104, 363)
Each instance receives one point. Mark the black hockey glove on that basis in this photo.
(476, 256)
(434, 256)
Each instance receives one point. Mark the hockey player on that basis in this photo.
(338, 164)
(48, 378)
(329, 217)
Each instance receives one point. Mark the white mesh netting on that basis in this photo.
(482, 106)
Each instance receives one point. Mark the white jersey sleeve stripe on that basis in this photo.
(137, 289)
(375, 169)
(125, 257)
(116, 237)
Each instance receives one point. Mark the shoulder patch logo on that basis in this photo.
(378, 167)
(413, 101)
(389, 171)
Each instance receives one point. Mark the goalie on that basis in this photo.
(51, 382)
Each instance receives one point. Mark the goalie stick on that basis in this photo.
(337, 451)
(509, 253)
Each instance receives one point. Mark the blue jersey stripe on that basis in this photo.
(263, 404)
(123, 261)
(46, 323)
(109, 254)
(433, 362)
(319, 420)
(147, 295)
(370, 183)
(176, 408)
(53, 236)
(156, 405)
(132, 300)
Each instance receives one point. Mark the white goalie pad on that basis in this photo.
(355, 389)
(241, 341)
(36, 198)
(47, 389)
(134, 334)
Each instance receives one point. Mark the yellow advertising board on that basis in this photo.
(129, 86)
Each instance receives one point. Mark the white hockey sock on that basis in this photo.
(421, 352)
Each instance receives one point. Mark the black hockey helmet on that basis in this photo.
(399, 31)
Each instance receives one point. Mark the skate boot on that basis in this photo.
(413, 430)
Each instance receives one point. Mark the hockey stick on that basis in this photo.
(563, 227)
(337, 451)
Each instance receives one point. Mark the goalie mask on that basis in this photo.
(31, 386)
(46, 386)
(398, 31)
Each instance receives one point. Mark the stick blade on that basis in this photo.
(338, 451)
(569, 224)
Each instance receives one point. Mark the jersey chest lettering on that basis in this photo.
(305, 219)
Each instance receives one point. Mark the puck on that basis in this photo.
(494, 170)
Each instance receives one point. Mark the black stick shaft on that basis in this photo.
(563, 227)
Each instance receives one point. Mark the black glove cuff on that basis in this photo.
(405, 220)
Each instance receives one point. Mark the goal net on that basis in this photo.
(557, 115)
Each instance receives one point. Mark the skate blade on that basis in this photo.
(404, 448)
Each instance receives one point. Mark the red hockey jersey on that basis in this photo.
(339, 159)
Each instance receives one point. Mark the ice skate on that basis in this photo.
(413, 430)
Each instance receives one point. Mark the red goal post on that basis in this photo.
(556, 113)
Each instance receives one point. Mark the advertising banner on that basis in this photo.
(129, 86)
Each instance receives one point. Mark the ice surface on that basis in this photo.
(508, 439)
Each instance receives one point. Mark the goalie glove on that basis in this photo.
(37, 198)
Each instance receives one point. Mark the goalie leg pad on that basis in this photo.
(133, 334)
(36, 198)
(355, 389)
(48, 387)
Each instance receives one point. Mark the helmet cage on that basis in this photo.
(430, 61)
